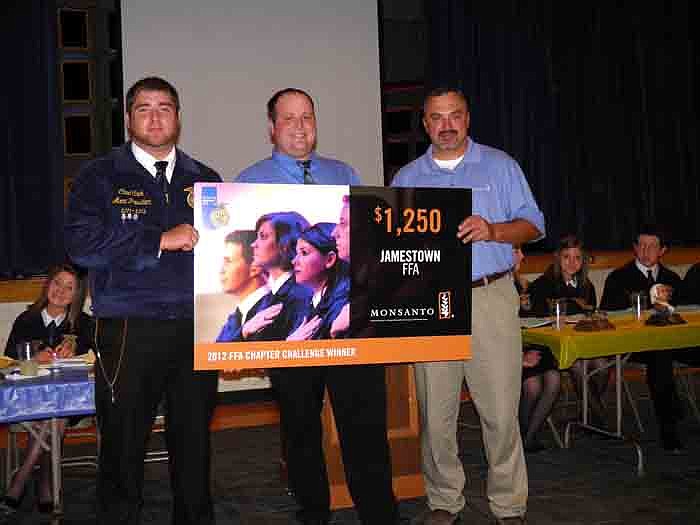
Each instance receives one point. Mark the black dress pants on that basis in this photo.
(148, 360)
(662, 390)
(358, 397)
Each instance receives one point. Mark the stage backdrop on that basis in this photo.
(228, 57)
(403, 276)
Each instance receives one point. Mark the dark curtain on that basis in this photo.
(597, 103)
(31, 191)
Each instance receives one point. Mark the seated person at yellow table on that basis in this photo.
(541, 380)
(639, 275)
(56, 313)
(689, 294)
(567, 278)
(690, 289)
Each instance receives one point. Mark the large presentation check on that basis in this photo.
(381, 275)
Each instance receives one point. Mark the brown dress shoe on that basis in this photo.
(441, 517)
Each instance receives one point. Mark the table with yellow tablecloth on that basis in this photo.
(629, 336)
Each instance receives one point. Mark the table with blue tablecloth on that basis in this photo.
(59, 393)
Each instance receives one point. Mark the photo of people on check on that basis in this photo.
(275, 285)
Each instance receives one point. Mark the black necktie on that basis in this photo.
(51, 334)
(650, 278)
(305, 165)
(238, 318)
(161, 179)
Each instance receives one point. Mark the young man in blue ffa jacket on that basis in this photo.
(504, 213)
(357, 393)
(242, 279)
(129, 221)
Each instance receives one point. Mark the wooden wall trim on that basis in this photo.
(20, 291)
(26, 290)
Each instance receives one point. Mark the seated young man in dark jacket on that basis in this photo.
(639, 275)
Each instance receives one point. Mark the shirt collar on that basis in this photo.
(654, 269)
(472, 154)
(317, 296)
(276, 284)
(246, 304)
(148, 161)
(58, 320)
(289, 164)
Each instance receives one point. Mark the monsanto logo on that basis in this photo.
(445, 305)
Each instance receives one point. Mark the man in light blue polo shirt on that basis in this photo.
(357, 392)
(291, 122)
(504, 213)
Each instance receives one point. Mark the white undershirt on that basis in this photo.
(316, 298)
(450, 164)
(148, 161)
(654, 269)
(246, 304)
(276, 284)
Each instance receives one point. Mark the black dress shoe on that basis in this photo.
(10, 504)
(45, 507)
(534, 447)
(670, 440)
(8, 507)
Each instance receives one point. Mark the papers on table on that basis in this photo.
(534, 322)
(67, 362)
(16, 376)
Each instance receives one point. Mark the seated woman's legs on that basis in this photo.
(35, 455)
(539, 394)
(597, 385)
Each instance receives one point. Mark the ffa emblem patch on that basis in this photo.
(190, 196)
(219, 216)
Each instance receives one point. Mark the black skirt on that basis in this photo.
(547, 361)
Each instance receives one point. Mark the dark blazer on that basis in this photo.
(330, 306)
(627, 279)
(29, 326)
(294, 298)
(690, 289)
(116, 214)
(231, 331)
(548, 286)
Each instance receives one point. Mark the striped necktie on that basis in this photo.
(305, 165)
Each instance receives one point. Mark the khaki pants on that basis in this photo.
(493, 376)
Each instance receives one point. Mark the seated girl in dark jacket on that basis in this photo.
(568, 278)
(57, 313)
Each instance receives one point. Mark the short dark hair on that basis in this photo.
(151, 84)
(653, 230)
(272, 103)
(288, 225)
(444, 90)
(245, 239)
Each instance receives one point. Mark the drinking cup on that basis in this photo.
(558, 313)
(639, 304)
(28, 366)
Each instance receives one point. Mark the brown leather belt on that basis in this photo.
(489, 279)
